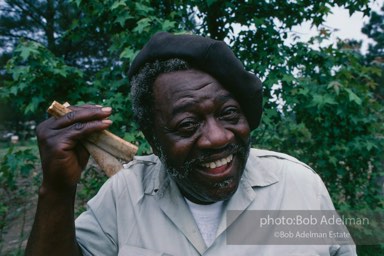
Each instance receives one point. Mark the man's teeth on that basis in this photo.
(219, 162)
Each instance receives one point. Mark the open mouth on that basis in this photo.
(218, 168)
(218, 163)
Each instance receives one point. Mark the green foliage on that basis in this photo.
(374, 29)
(16, 170)
(14, 164)
(331, 120)
(37, 77)
(127, 25)
(330, 111)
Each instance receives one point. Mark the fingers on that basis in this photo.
(62, 154)
(74, 125)
(81, 130)
(81, 115)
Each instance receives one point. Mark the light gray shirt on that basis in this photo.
(140, 210)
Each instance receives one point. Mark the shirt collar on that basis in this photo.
(257, 173)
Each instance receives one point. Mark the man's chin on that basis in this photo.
(224, 194)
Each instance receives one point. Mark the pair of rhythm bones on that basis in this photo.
(107, 149)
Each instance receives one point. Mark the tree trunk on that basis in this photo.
(215, 20)
(50, 27)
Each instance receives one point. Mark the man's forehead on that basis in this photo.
(183, 90)
(185, 83)
(185, 77)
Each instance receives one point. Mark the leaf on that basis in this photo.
(60, 71)
(322, 100)
(26, 51)
(335, 86)
(13, 90)
(34, 104)
(121, 19)
(288, 78)
(128, 53)
(333, 160)
(18, 71)
(258, 21)
(303, 91)
(167, 25)
(369, 145)
(117, 4)
(353, 97)
(78, 2)
(143, 9)
(142, 25)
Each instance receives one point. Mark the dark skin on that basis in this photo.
(63, 158)
(196, 121)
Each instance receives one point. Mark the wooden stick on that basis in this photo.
(104, 146)
(108, 163)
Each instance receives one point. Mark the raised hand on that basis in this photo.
(62, 155)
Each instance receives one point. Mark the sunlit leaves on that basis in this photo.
(26, 51)
(128, 53)
(123, 18)
(38, 78)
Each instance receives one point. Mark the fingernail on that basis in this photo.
(106, 109)
(106, 121)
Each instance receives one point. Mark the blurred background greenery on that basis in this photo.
(323, 102)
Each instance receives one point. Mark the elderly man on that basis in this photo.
(196, 105)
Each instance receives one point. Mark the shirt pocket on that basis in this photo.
(128, 250)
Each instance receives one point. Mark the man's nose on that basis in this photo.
(214, 135)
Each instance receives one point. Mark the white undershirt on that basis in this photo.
(207, 218)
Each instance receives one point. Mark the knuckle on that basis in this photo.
(70, 116)
(79, 126)
(96, 112)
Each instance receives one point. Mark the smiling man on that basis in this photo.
(196, 105)
(202, 138)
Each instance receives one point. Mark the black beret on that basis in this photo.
(210, 56)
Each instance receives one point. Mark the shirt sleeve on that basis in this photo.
(326, 204)
(96, 230)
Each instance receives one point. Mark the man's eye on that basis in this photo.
(230, 114)
(187, 126)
